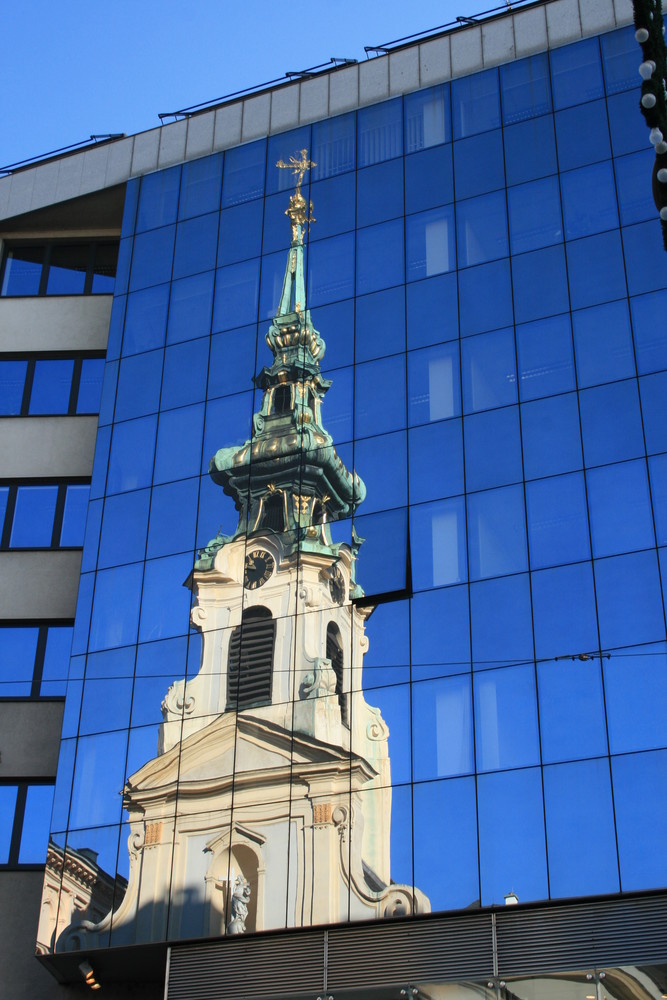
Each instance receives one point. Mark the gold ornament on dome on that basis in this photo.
(298, 213)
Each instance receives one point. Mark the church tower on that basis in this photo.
(269, 802)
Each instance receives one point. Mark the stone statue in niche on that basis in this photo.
(240, 898)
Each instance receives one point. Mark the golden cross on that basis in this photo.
(298, 166)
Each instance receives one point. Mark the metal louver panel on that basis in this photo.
(251, 661)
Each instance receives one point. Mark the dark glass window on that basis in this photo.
(25, 814)
(43, 515)
(576, 73)
(333, 146)
(475, 104)
(379, 132)
(525, 88)
(427, 118)
(59, 268)
(39, 386)
(250, 664)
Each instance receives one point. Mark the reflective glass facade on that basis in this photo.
(487, 272)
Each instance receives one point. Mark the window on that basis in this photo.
(273, 512)
(250, 664)
(34, 659)
(59, 268)
(335, 654)
(62, 385)
(282, 399)
(25, 812)
(42, 515)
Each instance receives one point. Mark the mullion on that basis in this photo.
(74, 389)
(38, 666)
(88, 282)
(27, 387)
(9, 518)
(17, 828)
(46, 263)
(58, 515)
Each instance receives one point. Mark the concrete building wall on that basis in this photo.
(55, 323)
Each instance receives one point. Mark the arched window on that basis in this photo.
(273, 512)
(318, 513)
(250, 664)
(335, 654)
(282, 399)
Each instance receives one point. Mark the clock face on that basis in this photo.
(337, 586)
(259, 565)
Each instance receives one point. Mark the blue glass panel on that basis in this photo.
(427, 118)
(442, 728)
(481, 229)
(658, 472)
(572, 718)
(231, 353)
(158, 199)
(475, 104)
(596, 271)
(12, 379)
(582, 135)
(379, 132)
(384, 568)
(200, 186)
(51, 386)
(152, 258)
(489, 370)
(108, 401)
(56, 659)
(271, 284)
(430, 243)
(83, 607)
(138, 390)
(100, 462)
(492, 448)
(334, 203)
(619, 60)
(454, 885)
(620, 508)
(437, 534)
(22, 271)
(589, 200)
(123, 265)
(534, 215)
(388, 655)
(610, 423)
(190, 308)
(545, 358)
(629, 601)
(74, 516)
(90, 385)
(8, 795)
(375, 455)
(432, 313)
(228, 422)
(98, 781)
(540, 284)
(379, 324)
(132, 450)
(239, 240)
(653, 390)
(512, 855)
(478, 164)
(185, 371)
(640, 844)
(105, 705)
(440, 633)
(436, 461)
(635, 682)
(4, 497)
(564, 611)
(123, 538)
(380, 193)
(33, 517)
(501, 626)
(635, 198)
(116, 326)
(173, 518)
(165, 605)
(557, 520)
(243, 178)
(628, 131)
(380, 257)
(576, 73)
(116, 607)
(67, 269)
(485, 295)
(333, 146)
(145, 320)
(236, 295)
(178, 452)
(379, 396)
(429, 179)
(281, 147)
(497, 533)
(165, 658)
(650, 331)
(603, 343)
(530, 150)
(580, 839)
(331, 270)
(506, 732)
(643, 248)
(337, 320)
(196, 242)
(525, 88)
(434, 391)
(18, 647)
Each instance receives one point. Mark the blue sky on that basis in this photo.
(85, 67)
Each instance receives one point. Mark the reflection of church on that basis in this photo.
(273, 777)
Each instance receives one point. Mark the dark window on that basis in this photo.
(59, 268)
(39, 515)
(282, 399)
(318, 513)
(25, 812)
(273, 513)
(250, 663)
(335, 654)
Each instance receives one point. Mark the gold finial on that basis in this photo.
(298, 166)
(298, 213)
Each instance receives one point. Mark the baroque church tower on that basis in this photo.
(269, 802)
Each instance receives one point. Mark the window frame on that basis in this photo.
(42, 625)
(22, 785)
(31, 360)
(48, 246)
(6, 526)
